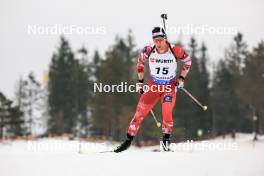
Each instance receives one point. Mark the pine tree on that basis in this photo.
(69, 91)
(11, 123)
(206, 121)
(83, 92)
(229, 112)
(220, 99)
(63, 91)
(252, 85)
(189, 116)
(30, 99)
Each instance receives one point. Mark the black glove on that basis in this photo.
(180, 82)
(140, 85)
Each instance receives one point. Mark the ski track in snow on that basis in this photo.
(16, 159)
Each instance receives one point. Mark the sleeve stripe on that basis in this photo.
(186, 59)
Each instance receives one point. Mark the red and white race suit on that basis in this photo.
(162, 69)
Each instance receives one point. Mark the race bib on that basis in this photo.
(162, 67)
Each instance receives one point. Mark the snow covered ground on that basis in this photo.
(48, 157)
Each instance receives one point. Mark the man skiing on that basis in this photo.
(162, 61)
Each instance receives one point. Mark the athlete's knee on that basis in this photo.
(135, 123)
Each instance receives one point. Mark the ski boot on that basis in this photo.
(166, 141)
(125, 145)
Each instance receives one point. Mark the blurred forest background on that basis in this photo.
(63, 103)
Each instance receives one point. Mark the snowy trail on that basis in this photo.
(246, 160)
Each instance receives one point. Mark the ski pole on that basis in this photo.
(204, 107)
(153, 115)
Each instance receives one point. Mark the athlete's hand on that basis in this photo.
(139, 86)
(180, 82)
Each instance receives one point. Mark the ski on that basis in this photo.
(95, 152)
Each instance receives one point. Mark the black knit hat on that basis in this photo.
(158, 32)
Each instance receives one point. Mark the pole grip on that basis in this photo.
(164, 17)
